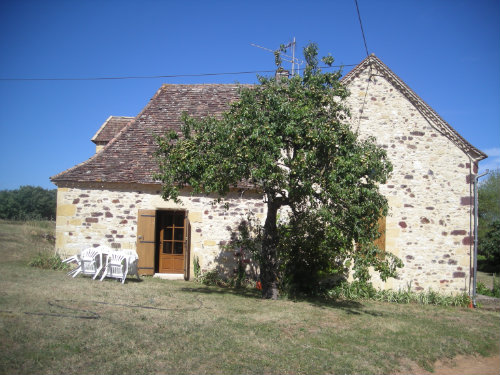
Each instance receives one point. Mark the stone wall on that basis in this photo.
(429, 192)
(97, 214)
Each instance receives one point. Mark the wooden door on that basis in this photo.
(146, 241)
(172, 246)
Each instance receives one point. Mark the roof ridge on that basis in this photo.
(105, 123)
(424, 108)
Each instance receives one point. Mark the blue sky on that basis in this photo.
(447, 51)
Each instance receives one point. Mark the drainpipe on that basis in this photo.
(475, 237)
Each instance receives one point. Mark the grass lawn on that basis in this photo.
(51, 323)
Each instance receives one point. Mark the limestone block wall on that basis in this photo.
(97, 214)
(429, 192)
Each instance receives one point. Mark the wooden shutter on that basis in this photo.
(187, 245)
(146, 241)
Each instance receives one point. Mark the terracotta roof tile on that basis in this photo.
(129, 156)
(110, 128)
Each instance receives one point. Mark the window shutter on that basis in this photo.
(146, 241)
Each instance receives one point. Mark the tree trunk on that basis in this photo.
(269, 262)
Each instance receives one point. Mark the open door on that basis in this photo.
(173, 251)
(146, 241)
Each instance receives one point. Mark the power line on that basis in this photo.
(361, 25)
(153, 77)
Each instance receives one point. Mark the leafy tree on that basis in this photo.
(489, 249)
(288, 137)
(489, 223)
(28, 202)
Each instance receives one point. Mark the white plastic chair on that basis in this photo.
(132, 259)
(90, 260)
(116, 266)
(103, 251)
(73, 259)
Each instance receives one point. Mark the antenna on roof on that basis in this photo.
(291, 59)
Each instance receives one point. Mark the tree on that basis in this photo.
(489, 223)
(288, 137)
(27, 203)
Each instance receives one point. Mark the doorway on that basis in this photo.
(172, 241)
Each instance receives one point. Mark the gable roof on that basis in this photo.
(110, 128)
(441, 125)
(129, 156)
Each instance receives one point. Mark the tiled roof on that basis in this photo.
(441, 125)
(129, 156)
(110, 128)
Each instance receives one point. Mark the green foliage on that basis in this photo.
(28, 203)
(289, 139)
(361, 290)
(196, 267)
(484, 290)
(310, 265)
(212, 278)
(48, 261)
(489, 223)
(352, 291)
(489, 249)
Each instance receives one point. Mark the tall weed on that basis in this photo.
(358, 290)
(49, 262)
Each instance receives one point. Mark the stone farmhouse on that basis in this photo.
(111, 199)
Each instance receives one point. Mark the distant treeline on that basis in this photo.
(28, 203)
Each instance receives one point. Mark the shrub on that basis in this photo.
(360, 290)
(49, 262)
(484, 290)
(212, 278)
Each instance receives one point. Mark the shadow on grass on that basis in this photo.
(349, 306)
(241, 292)
(127, 280)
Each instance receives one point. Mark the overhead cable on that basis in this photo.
(361, 25)
(152, 77)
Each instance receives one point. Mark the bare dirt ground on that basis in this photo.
(463, 365)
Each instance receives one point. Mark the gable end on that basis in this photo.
(440, 124)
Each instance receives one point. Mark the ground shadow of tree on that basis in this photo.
(350, 307)
(237, 260)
